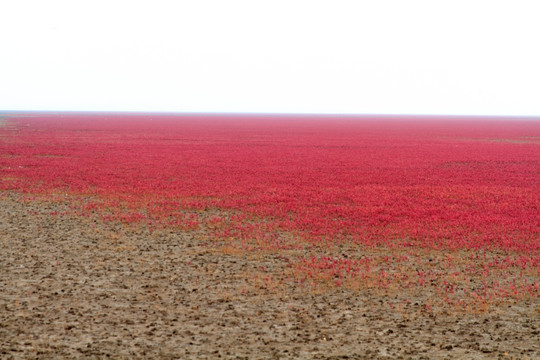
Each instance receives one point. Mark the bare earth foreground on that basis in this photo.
(73, 287)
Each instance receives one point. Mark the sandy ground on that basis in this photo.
(74, 287)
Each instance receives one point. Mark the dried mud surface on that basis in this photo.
(74, 287)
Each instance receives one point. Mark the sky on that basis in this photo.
(456, 57)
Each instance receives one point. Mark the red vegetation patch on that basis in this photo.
(285, 183)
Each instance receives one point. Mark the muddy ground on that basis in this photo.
(73, 287)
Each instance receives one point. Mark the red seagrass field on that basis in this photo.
(440, 212)
(468, 188)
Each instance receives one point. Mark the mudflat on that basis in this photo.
(76, 287)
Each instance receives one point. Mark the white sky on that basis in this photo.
(388, 57)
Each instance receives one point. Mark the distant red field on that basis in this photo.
(398, 203)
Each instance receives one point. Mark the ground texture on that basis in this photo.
(74, 287)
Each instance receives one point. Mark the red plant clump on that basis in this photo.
(277, 182)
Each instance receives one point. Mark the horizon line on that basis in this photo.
(280, 114)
